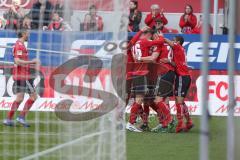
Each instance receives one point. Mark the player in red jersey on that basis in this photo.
(23, 82)
(182, 83)
(138, 75)
(130, 60)
(162, 55)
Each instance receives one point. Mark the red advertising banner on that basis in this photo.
(49, 97)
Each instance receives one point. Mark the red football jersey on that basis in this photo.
(130, 44)
(130, 59)
(20, 72)
(141, 49)
(180, 59)
(165, 52)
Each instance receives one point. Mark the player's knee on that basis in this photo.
(167, 100)
(33, 97)
(158, 99)
(139, 99)
(19, 99)
(179, 100)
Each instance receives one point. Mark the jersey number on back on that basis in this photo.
(170, 53)
(136, 50)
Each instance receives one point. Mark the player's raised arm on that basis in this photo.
(136, 37)
(159, 41)
(169, 42)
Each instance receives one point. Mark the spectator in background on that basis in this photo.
(198, 28)
(124, 23)
(135, 17)
(63, 11)
(56, 23)
(159, 27)
(2, 23)
(14, 15)
(92, 21)
(188, 20)
(155, 14)
(26, 25)
(44, 8)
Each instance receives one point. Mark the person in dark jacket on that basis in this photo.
(44, 8)
(135, 17)
(64, 10)
(92, 21)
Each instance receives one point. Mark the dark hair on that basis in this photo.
(179, 39)
(92, 7)
(189, 6)
(148, 31)
(21, 32)
(135, 2)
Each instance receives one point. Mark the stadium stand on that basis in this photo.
(172, 13)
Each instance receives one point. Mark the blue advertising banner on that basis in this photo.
(55, 47)
(218, 54)
(70, 44)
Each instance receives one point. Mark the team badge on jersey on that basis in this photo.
(19, 52)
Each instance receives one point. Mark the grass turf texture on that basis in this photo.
(183, 146)
(140, 146)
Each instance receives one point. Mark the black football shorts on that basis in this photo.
(23, 86)
(182, 85)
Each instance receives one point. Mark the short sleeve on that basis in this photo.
(175, 46)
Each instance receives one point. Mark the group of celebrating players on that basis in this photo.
(157, 70)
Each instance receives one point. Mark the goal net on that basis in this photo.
(80, 84)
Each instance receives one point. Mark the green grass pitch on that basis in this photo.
(140, 146)
(183, 146)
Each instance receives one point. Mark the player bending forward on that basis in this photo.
(23, 82)
(138, 75)
(162, 55)
(182, 83)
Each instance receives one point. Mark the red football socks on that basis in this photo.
(180, 126)
(145, 114)
(13, 109)
(186, 112)
(27, 107)
(136, 109)
(165, 112)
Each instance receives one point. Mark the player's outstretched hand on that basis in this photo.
(37, 63)
(164, 60)
(145, 28)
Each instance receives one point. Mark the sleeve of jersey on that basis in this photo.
(175, 46)
(17, 52)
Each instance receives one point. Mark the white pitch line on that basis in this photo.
(61, 146)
